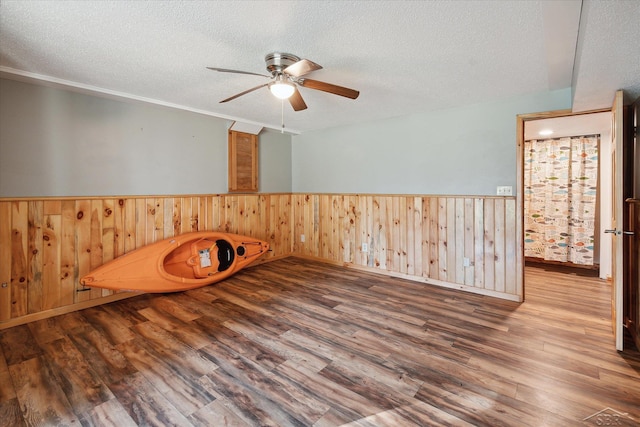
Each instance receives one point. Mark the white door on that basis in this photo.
(617, 265)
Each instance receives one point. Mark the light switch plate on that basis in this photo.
(505, 190)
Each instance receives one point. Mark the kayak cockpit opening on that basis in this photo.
(226, 254)
(201, 259)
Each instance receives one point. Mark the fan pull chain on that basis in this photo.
(282, 110)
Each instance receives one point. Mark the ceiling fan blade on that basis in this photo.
(243, 93)
(330, 88)
(225, 70)
(302, 67)
(297, 102)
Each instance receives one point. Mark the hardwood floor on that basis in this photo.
(295, 342)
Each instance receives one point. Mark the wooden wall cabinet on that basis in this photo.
(243, 162)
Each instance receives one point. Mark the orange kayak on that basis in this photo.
(180, 263)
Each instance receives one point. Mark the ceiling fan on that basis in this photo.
(287, 73)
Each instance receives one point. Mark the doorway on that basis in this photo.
(623, 175)
(559, 133)
(522, 121)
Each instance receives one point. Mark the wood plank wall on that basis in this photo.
(46, 245)
(424, 238)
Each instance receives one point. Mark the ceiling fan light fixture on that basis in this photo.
(281, 90)
(287, 73)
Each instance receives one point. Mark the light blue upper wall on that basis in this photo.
(463, 151)
(274, 157)
(56, 142)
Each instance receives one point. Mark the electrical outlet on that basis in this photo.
(302, 238)
(505, 190)
(365, 247)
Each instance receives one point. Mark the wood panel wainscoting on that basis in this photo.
(46, 245)
(466, 243)
(296, 342)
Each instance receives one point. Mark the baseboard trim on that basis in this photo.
(41, 315)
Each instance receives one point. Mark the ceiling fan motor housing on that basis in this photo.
(276, 61)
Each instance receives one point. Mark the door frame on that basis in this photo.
(520, 123)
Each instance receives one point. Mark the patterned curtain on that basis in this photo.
(561, 178)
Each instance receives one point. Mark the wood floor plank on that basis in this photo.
(104, 358)
(186, 361)
(347, 364)
(424, 339)
(418, 414)
(345, 403)
(183, 331)
(145, 404)
(18, 345)
(176, 381)
(373, 385)
(241, 345)
(10, 413)
(42, 401)
(221, 412)
(423, 414)
(417, 343)
(7, 391)
(243, 301)
(499, 350)
(169, 305)
(589, 356)
(479, 408)
(112, 327)
(589, 395)
(277, 395)
(333, 346)
(83, 388)
(302, 317)
(45, 331)
(286, 350)
(108, 414)
(558, 403)
(125, 314)
(390, 417)
(253, 405)
(195, 306)
(389, 316)
(439, 369)
(295, 342)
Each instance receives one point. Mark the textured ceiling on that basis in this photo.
(608, 54)
(403, 56)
